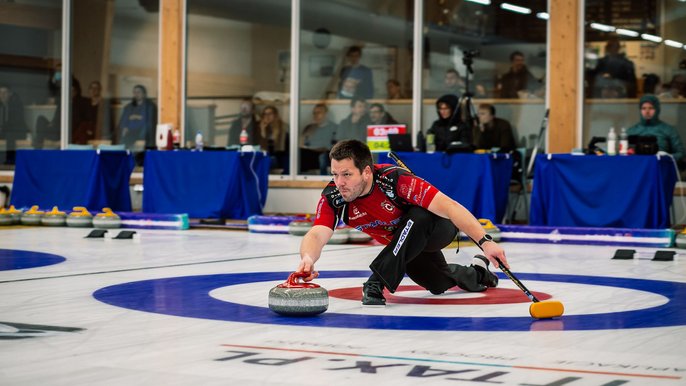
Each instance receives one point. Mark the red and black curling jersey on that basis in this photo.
(377, 213)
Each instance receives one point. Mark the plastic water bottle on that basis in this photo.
(430, 143)
(198, 141)
(623, 142)
(612, 142)
(243, 137)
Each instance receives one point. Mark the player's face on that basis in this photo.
(348, 179)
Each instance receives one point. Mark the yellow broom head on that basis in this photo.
(546, 309)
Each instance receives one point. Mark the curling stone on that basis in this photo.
(681, 239)
(80, 218)
(491, 229)
(15, 214)
(107, 219)
(5, 217)
(340, 236)
(54, 218)
(32, 216)
(299, 227)
(356, 236)
(297, 298)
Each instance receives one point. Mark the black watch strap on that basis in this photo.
(486, 237)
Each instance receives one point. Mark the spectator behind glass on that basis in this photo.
(83, 128)
(449, 126)
(354, 126)
(356, 80)
(138, 120)
(246, 121)
(316, 141)
(274, 138)
(518, 81)
(614, 66)
(393, 90)
(12, 123)
(668, 139)
(493, 132)
(97, 113)
(379, 116)
(453, 83)
(50, 130)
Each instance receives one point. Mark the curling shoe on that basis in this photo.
(372, 294)
(486, 277)
(466, 278)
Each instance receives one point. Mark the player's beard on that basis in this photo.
(354, 192)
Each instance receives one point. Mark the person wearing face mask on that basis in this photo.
(668, 139)
(138, 120)
(246, 121)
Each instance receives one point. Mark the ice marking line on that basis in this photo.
(453, 362)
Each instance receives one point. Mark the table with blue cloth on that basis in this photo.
(602, 191)
(206, 184)
(480, 182)
(69, 178)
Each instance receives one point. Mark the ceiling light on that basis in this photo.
(626, 32)
(515, 8)
(602, 27)
(483, 2)
(651, 38)
(543, 15)
(673, 43)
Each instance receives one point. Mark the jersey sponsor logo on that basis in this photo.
(387, 206)
(357, 214)
(404, 190)
(403, 236)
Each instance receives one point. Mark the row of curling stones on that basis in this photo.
(295, 297)
(342, 234)
(79, 218)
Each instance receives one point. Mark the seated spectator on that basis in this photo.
(379, 116)
(12, 123)
(393, 90)
(518, 81)
(247, 121)
(274, 138)
(356, 80)
(450, 129)
(138, 120)
(97, 113)
(615, 66)
(316, 141)
(453, 83)
(668, 139)
(354, 126)
(493, 132)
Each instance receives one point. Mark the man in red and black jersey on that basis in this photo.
(407, 214)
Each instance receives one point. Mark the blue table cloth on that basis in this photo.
(208, 184)
(69, 178)
(602, 191)
(480, 182)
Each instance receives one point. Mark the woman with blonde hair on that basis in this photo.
(274, 137)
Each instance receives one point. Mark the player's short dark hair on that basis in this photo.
(354, 149)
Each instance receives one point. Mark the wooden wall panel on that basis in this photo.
(171, 29)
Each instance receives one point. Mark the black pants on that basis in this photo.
(416, 250)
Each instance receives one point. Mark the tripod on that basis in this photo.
(467, 110)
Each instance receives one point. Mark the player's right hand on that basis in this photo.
(307, 266)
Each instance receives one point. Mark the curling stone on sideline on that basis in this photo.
(299, 227)
(355, 236)
(680, 240)
(15, 214)
(107, 219)
(54, 218)
(341, 235)
(32, 216)
(295, 297)
(80, 218)
(491, 229)
(5, 217)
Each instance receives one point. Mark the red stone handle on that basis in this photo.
(295, 281)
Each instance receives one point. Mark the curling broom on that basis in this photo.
(538, 309)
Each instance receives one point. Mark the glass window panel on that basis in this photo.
(484, 54)
(355, 56)
(238, 76)
(634, 49)
(29, 77)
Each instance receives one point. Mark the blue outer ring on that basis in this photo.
(11, 259)
(189, 297)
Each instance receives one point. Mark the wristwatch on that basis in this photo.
(486, 237)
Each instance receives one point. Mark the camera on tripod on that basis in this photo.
(468, 58)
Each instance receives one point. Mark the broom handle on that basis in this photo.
(516, 281)
(398, 161)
